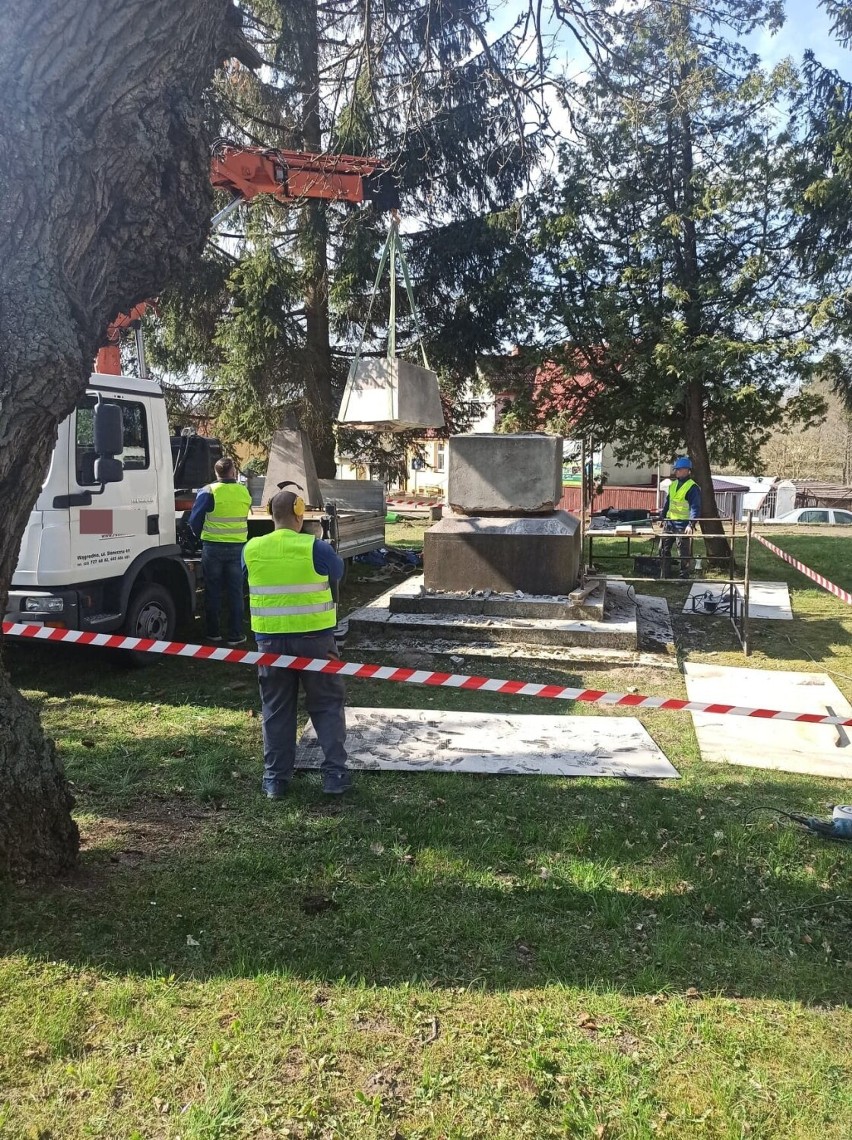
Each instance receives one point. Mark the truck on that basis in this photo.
(106, 547)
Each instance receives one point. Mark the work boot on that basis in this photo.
(336, 783)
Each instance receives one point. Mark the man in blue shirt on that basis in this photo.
(219, 519)
(680, 511)
(293, 612)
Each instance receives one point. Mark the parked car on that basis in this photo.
(820, 516)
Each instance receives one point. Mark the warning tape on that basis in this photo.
(406, 676)
(844, 595)
(414, 502)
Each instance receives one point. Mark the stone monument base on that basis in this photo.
(536, 554)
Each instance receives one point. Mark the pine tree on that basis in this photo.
(275, 316)
(666, 263)
(821, 195)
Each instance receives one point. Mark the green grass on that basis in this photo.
(445, 957)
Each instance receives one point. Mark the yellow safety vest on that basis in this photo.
(286, 595)
(227, 521)
(678, 506)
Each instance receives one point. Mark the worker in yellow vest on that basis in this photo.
(293, 612)
(680, 511)
(219, 519)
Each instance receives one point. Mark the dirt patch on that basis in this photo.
(152, 831)
(387, 1084)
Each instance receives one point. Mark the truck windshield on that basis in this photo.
(136, 454)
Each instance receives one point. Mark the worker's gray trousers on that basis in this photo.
(325, 694)
(684, 551)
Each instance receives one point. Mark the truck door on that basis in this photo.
(111, 530)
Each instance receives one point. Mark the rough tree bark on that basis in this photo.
(104, 196)
(716, 544)
(320, 411)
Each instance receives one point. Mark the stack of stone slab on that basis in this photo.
(505, 532)
(500, 570)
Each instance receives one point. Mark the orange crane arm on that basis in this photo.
(291, 174)
(288, 175)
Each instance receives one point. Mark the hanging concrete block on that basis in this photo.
(391, 395)
(292, 460)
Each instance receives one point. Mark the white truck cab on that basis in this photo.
(101, 550)
(103, 555)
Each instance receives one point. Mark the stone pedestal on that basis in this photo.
(535, 554)
(291, 459)
(504, 474)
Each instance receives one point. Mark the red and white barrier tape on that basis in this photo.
(414, 502)
(407, 676)
(844, 595)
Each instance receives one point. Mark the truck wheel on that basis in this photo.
(151, 614)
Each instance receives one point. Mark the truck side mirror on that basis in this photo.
(108, 431)
(108, 469)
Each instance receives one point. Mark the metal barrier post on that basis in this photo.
(583, 513)
(746, 586)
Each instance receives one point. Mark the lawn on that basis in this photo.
(443, 957)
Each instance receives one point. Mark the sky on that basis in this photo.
(806, 26)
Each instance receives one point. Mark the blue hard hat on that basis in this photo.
(682, 463)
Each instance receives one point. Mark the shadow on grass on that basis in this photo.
(459, 881)
(826, 639)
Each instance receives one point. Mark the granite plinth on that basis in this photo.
(391, 395)
(291, 460)
(504, 474)
(413, 598)
(379, 621)
(535, 554)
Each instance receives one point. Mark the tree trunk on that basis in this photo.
(718, 549)
(37, 834)
(319, 412)
(104, 196)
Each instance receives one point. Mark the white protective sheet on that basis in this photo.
(422, 740)
(766, 599)
(816, 750)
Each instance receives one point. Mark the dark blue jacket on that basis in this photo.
(693, 497)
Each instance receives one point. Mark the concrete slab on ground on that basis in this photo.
(814, 750)
(509, 744)
(769, 600)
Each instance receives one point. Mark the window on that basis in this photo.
(135, 455)
(843, 517)
(440, 457)
(814, 517)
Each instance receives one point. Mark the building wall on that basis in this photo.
(431, 478)
(625, 473)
